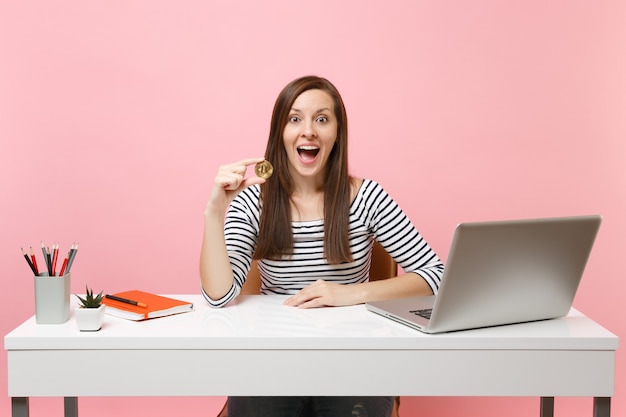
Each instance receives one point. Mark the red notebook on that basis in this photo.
(156, 305)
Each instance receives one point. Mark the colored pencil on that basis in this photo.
(72, 255)
(55, 255)
(34, 259)
(67, 257)
(45, 257)
(30, 263)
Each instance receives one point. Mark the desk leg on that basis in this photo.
(601, 406)
(547, 407)
(19, 407)
(71, 406)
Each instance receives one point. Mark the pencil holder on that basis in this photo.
(52, 299)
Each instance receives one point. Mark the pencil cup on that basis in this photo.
(52, 299)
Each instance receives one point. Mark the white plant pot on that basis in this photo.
(89, 319)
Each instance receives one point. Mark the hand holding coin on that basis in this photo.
(264, 169)
(230, 180)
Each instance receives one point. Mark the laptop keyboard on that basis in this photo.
(423, 313)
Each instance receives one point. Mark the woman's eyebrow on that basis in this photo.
(323, 109)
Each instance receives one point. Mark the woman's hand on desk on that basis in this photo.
(322, 293)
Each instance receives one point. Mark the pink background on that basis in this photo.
(114, 116)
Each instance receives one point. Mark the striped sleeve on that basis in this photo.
(240, 232)
(395, 232)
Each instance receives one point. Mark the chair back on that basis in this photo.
(383, 267)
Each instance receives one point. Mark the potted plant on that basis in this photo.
(90, 314)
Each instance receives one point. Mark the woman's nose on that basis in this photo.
(309, 130)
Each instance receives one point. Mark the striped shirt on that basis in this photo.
(373, 215)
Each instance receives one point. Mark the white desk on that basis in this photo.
(257, 346)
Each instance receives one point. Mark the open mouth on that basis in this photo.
(308, 153)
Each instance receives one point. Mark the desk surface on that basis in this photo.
(262, 322)
(252, 346)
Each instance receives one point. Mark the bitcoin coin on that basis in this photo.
(264, 169)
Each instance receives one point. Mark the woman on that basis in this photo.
(311, 226)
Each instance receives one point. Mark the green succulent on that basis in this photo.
(90, 301)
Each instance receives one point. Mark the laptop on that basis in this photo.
(502, 272)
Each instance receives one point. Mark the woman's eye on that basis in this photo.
(294, 119)
(322, 119)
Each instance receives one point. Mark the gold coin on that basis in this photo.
(264, 169)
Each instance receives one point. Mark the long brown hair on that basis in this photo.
(275, 232)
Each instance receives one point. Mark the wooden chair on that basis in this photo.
(383, 267)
